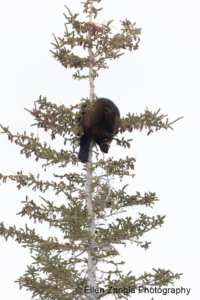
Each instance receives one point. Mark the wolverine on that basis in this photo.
(100, 124)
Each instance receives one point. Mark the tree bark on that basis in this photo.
(88, 185)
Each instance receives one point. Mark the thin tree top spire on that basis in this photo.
(102, 42)
(91, 6)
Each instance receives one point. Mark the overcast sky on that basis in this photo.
(163, 73)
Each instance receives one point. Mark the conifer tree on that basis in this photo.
(71, 268)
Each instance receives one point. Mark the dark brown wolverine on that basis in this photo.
(99, 124)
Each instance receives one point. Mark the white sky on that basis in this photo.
(163, 73)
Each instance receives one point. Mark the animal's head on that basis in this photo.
(105, 145)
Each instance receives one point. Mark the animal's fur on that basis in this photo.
(99, 124)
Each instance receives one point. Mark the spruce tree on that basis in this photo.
(71, 268)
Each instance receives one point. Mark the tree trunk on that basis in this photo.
(88, 185)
